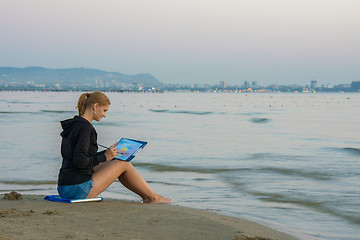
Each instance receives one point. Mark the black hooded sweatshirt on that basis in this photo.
(79, 151)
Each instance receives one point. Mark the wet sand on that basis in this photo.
(35, 218)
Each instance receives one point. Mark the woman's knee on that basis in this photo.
(122, 164)
(118, 167)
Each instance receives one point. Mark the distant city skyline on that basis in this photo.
(188, 42)
(85, 79)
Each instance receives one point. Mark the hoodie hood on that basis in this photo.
(69, 124)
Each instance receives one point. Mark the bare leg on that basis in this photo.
(132, 180)
(106, 173)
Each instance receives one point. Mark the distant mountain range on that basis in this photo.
(74, 77)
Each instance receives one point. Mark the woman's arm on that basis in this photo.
(81, 157)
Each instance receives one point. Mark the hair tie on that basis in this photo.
(87, 95)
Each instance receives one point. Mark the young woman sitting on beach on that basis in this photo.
(85, 173)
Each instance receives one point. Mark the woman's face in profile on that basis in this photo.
(100, 112)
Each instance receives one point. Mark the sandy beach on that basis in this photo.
(35, 218)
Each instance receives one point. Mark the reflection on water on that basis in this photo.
(180, 111)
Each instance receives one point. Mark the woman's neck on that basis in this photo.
(88, 116)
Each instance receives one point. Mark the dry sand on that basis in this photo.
(35, 218)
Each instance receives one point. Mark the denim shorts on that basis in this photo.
(77, 191)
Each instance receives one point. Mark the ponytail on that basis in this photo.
(89, 99)
(82, 104)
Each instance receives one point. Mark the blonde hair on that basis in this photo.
(89, 99)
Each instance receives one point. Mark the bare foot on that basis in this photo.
(158, 199)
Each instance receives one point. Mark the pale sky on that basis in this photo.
(188, 41)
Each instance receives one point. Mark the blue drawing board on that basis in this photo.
(128, 149)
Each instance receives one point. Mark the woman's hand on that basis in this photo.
(110, 153)
(114, 145)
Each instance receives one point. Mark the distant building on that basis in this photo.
(223, 84)
(343, 86)
(246, 84)
(355, 86)
(313, 84)
(328, 86)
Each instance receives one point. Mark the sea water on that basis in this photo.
(289, 161)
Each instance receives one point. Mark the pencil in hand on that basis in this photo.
(109, 148)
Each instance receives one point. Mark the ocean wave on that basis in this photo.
(259, 120)
(104, 123)
(19, 102)
(24, 189)
(355, 151)
(249, 113)
(315, 205)
(296, 172)
(165, 168)
(180, 111)
(29, 182)
(284, 171)
(35, 112)
(57, 111)
(282, 198)
(13, 112)
(351, 150)
(166, 183)
(276, 157)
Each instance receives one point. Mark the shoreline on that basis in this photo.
(35, 218)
